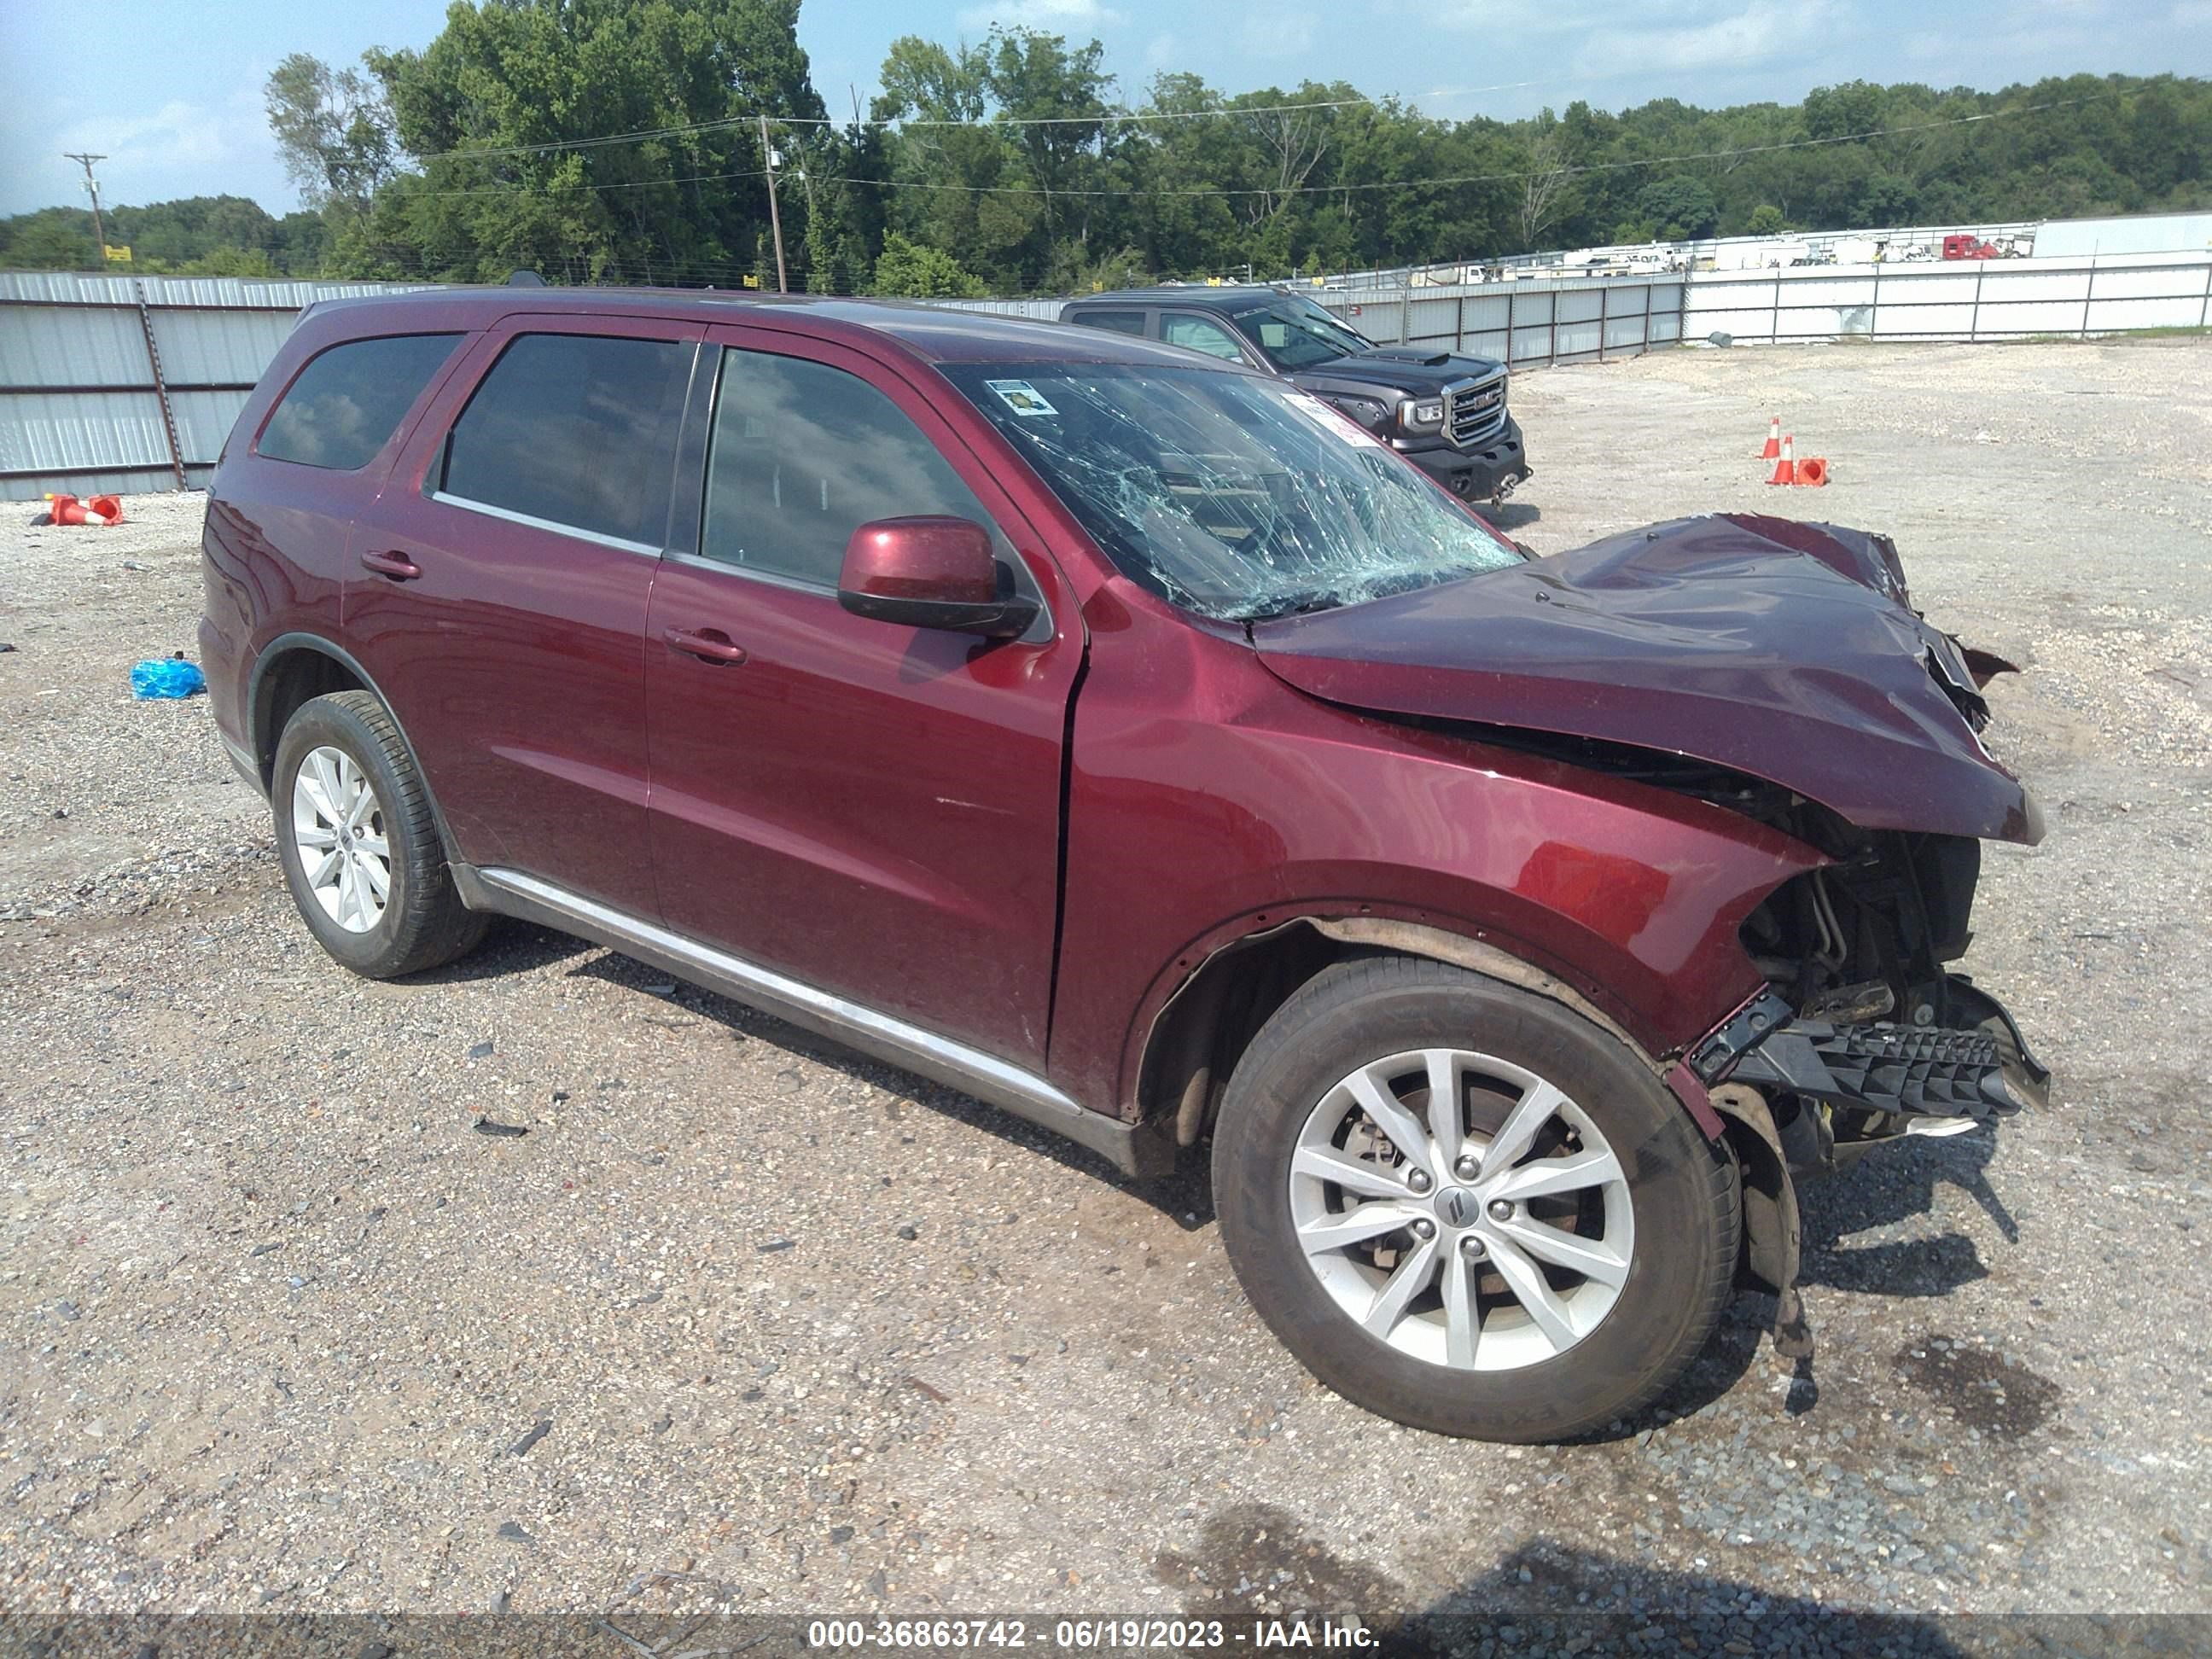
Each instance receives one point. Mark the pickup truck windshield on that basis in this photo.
(1230, 494)
(1294, 333)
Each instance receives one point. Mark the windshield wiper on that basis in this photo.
(1299, 603)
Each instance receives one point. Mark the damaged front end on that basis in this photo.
(1862, 1036)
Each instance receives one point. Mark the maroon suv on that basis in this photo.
(1139, 745)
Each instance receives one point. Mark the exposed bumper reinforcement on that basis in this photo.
(1981, 1071)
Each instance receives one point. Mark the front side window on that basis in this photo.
(1236, 496)
(1201, 334)
(1296, 333)
(802, 455)
(577, 430)
(349, 400)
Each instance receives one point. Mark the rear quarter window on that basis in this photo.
(1122, 322)
(350, 399)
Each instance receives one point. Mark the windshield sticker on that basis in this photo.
(1335, 419)
(1021, 397)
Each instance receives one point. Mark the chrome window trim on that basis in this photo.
(620, 544)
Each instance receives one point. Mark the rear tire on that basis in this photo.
(360, 845)
(1630, 1218)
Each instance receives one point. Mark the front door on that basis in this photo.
(500, 590)
(872, 808)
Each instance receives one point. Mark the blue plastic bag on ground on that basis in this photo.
(166, 677)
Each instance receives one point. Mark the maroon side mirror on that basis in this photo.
(932, 573)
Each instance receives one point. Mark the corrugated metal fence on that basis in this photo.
(123, 383)
(1525, 324)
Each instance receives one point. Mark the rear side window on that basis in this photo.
(1122, 322)
(802, 456)
(350, 399)
(575, 430)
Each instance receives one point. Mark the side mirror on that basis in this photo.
(933, 573)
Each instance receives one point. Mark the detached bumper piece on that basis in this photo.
(1885, 1068)
(1982, 1071)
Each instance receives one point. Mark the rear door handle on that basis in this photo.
(707, 644)
(398, 566)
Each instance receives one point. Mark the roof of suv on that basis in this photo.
(931, 333)
(1205, 296)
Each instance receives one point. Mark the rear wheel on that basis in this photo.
(1465, 1207)
(359, 845)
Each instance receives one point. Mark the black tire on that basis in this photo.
(1683, 1196)
(424, 924)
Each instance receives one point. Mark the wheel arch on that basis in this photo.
(293, 669)
(1191, 1044)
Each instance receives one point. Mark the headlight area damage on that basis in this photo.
(1777, 669)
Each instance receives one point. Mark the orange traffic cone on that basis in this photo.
(1773, 440)
(1785, 470)
(105, 508)
(65, 510)
(1813, 471)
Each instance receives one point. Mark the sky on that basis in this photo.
(170, 90)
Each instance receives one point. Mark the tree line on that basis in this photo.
(1017, 164)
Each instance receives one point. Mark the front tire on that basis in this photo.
(1464, 1207)
(359, 844)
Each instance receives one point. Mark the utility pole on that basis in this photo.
(775, 217)
(99, 227)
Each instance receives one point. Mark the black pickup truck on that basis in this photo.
(1443, 412)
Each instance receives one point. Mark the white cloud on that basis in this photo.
(1280, 35)
(179, 134)
(184, 147)
(1051, 16)
(1760, 33)
(1164, 51)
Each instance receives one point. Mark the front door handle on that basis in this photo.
(398, 566)
(707, 644)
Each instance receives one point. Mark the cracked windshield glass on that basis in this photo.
(1231, 495)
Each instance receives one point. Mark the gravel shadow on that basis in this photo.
(1185, 1197)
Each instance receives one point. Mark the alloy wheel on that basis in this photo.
(339, 831)
(1461, 1209)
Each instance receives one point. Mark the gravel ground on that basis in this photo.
(745, 1322)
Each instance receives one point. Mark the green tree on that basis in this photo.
(333, 132)
(907, 271)
(498, 110)
(1765, 220)
(1682, 207)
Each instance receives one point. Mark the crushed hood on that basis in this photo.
(1786, 651)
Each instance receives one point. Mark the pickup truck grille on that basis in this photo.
(1473, 414)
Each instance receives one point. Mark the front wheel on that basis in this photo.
(1466, 1208)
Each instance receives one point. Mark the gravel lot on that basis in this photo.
(281, 1330)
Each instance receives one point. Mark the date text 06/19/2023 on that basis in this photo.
(1092, 1635)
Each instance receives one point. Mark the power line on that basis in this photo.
(1331, 189)
(1105, 117)
(1487, 177)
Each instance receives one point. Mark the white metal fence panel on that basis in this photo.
(1964, 301)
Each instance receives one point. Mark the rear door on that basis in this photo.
(872, 808)
(501, 594)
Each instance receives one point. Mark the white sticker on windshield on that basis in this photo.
(1335, 419)
(1021, 397)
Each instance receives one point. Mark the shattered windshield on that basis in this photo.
(1296, 333)
(1236, 496)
